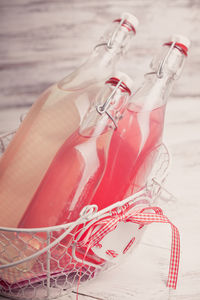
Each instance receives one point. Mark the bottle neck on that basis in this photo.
(102, 61)
(113, 43)
(153, 94)
(158, 84)
(106, 111)
(99, 66)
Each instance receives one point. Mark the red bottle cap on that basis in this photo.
(182, 43)
(126, 84)
(130, 22)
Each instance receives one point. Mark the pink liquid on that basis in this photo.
(137, 136)
(69, 183)
(131, 156)
(67, 187)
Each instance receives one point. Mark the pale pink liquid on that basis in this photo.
(128, 167)
(50, 121)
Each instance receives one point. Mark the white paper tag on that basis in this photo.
(118, 240)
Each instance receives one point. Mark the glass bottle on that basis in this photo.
(134, 145)
(77, 169)
(53, 117)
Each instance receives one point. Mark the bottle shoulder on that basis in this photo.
(96, 68)
(151, 95)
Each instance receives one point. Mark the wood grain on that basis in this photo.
(42, 41)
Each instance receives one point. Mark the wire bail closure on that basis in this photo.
(109, 44)
(88, 211)
(159, 72)
(101, 109)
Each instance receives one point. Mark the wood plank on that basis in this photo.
(42, 41)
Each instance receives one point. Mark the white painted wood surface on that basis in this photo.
(42, 41)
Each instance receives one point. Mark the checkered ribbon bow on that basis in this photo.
(98, 230)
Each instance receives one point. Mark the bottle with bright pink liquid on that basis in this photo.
(76, 171)
(134, 144)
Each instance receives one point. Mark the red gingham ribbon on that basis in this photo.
(98, 230)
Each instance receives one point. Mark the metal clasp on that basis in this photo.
(88, 211)
(159, 72)
(109, 44)
(101, 109)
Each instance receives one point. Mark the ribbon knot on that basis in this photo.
(99, 229)
(119, 214)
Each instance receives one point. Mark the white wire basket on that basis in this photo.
(46, 263)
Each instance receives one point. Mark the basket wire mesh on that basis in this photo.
(45, 263)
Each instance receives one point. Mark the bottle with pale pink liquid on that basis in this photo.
(134, 144)
(53, 118)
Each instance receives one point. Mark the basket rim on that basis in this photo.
(94, 214)
(85, 218)
(81, 219)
